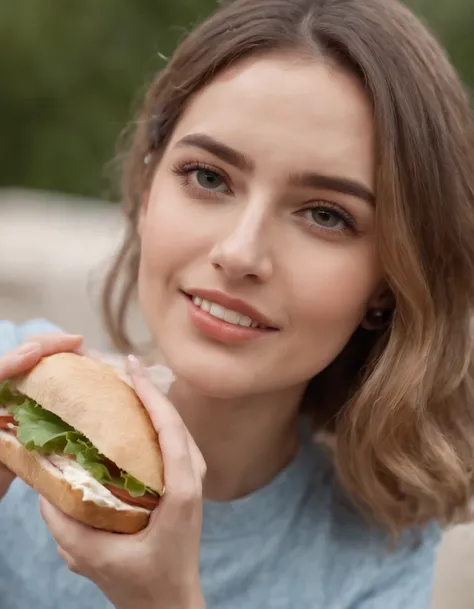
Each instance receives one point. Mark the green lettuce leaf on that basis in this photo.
(8, 395)
(41, 430)
(134, 487)
(88, 457)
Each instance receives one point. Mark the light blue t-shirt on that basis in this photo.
(294, 544)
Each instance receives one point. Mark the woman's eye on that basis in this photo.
(210, 180)
(325, 218)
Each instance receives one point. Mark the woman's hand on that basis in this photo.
(157, 568)
(22, 359)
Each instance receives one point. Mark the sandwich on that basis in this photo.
(78, 434)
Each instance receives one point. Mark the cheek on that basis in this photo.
(327, 300)
(162, 246)
(166, 231)
(335, 286)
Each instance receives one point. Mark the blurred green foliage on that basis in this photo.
(73, 72)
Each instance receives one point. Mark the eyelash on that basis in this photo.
(342, 215)
(185, 170)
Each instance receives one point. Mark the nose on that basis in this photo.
(244, 251)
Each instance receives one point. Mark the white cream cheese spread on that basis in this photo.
(91, 490)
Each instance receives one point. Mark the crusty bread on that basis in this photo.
(89, 396)
(38, 473)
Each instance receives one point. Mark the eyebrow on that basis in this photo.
(307, 179)
(218, 149)
(335, 184)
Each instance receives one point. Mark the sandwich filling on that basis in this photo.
(81, 464)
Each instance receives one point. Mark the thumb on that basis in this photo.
(162, 413)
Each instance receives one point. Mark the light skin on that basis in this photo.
(265, 193)
(256, 239)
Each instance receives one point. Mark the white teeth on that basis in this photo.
(217, 311)
(245, 321)
(231, 317)
(206, 305)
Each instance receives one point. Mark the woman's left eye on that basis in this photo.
(208, 179)
(202, 180)
(327, 218)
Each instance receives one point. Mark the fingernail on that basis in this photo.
(27, 348)
(135, 366)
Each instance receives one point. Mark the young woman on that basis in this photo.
(300, 200)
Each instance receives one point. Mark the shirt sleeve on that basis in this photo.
(406, 579)
(12, 335)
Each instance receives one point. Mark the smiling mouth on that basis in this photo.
(229, 316)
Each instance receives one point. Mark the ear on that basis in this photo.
(383, 303)
(383, 298)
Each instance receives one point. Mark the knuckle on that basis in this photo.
(202, 467)
(13, 364)
(54, 340)
(186, 498)
(175, 428)
(43, 339)
(71, 563)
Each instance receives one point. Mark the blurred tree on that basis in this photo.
(453, 22)
(71, 73)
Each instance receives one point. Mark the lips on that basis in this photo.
(232, 310)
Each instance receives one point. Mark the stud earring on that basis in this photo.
(375, 319)
(378, 314)
(147, 159)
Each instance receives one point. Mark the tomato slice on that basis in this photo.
(6, 420)
(147, 501)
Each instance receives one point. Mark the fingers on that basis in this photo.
(6, 478)
(74, 537)
(24, 357)
(183, 463)
(65, 530)
(57, 343)
(69, 560)
(5, 473)
(19, 360)
(200, 467)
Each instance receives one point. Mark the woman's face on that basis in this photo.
(263, 205)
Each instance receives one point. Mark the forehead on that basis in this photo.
(291, 111)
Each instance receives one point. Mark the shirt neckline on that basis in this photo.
(277, 499)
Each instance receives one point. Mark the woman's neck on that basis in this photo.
(245, 443)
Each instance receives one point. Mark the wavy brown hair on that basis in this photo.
(400, 400)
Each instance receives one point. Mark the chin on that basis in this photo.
(217, 376)
(215, 383)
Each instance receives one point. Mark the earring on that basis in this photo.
(378, 314)
(375, 319)
(147, 159)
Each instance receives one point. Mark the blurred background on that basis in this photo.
(72, 75)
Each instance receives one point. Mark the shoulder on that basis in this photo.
(363, 566)
(11, 335)
(402, 577)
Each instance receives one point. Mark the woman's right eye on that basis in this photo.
(202, 180)
(208, 179)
